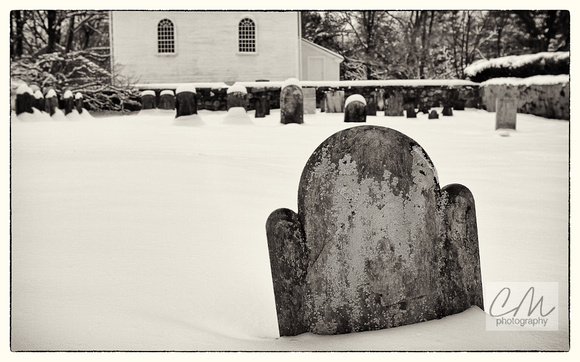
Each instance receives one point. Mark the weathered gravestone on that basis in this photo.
(148, 99)
(79, 102)
(410, 111)
(334, 101)
(51, 102)
(291, 103)
(167, 100)
(237, 96)
(375, 243)
(447, 111)
(433, 115)
(69, 103)
(371, 101)
(262, 103)
(309, 95)
(38, 101)
(185, 100)
(506, 110)
(394, 105)
(355, 109)
(24, 99)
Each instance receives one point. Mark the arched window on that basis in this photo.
(247, 36)
(165, 36)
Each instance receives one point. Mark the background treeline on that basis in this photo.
(69, 49)
(424, 44)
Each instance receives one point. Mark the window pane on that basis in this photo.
(165, 37)
(247, 36)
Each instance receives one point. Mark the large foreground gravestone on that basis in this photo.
(375, 243)
(355, 109)
(291, 102)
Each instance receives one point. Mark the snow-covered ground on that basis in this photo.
(139, 233)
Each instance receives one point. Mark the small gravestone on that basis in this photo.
(291, 103)
(355, 109)
(506, 113)
(79, 102)
(410, 111)
(69, 102)
(459, 105)
(24, 99)
(237, 96)
(381, 99)
(148, 99)
(38, 101)
(51, 102)
(371, 102)
(185, 100)
(447, 111)
(309, 100)
(167, 100)
(376, 243)
(394, 105)
(433, 115)
(334, 101)
(262, 103)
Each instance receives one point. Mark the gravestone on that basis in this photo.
(166, 99)
(148, 99)
(69, 103)
(237, 96)
(355, 109)
(376, 243)
(334, 101)
(447, 111)
(371, 102)
(394, 105)
(506, 110)
(79, 102)
(24, 99)
(433, 115)
(459, 104)
(309, 100)
(51, 102)
(185, 100)
(381, 99)
(38, 101)
(291, 103)
(262, 104)
(410, 111)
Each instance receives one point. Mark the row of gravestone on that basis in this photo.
(29, 97)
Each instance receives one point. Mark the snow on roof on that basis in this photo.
(291, 81)
(535, 80)
(148, 93)
(23, 88)
(237, 88)
(355, 98)
(188, 87)
(512, 61)
(51, 93)
(166, 92)
(68, 94)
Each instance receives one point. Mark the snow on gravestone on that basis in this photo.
(51, 102)
(375, 243)
(69, 102)
(506, 109)
(355, 109)
(148, 99)
(38, 102)
(24, 99)
(167, 99)
(79, 102)
(291, 102)
(185, 100)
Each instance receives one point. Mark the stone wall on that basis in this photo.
(544, 100)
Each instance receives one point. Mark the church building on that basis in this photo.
(162, 47)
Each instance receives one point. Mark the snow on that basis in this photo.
(291, 81)
(78, 95)
(51, 93)
(130, 233)
(166, 92)
(188, 87)
(68, 94)
(237, 116)
(23, 88)
(38, 94)
(535, 80)
(237, 88)
(147, 93)
(355, 98)
(512, 61)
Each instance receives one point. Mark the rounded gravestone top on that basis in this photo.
(237, 88)
(291, 81)
(148, 93)
(78, 95)
(23, 88)
(167, 92)
(38, 94)
(185, 88)
(355, 98)
(51, 93)
(68, 94)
